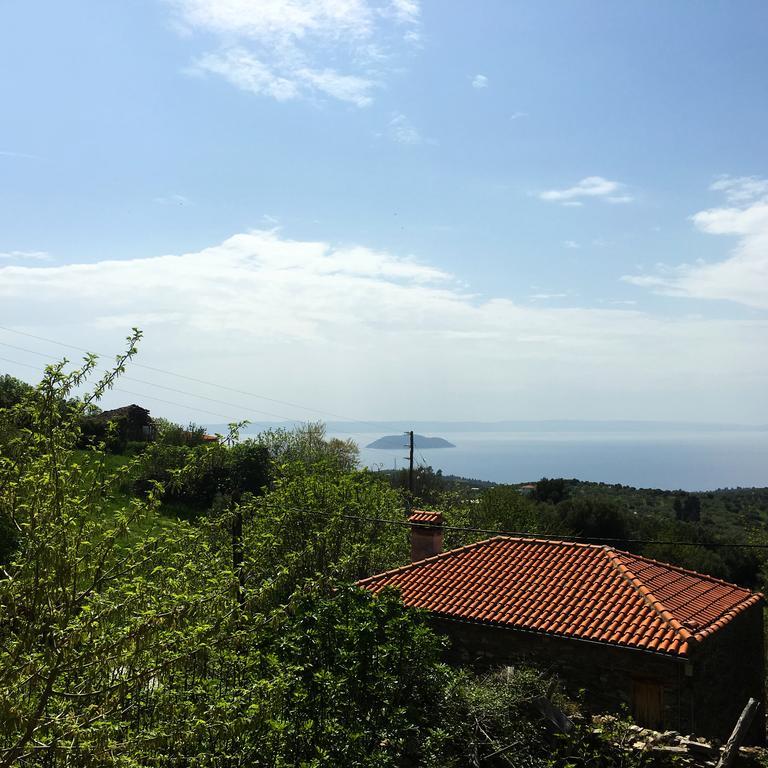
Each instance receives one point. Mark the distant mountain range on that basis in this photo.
(390, 442)
(544, 426)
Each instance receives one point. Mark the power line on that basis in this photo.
(167, 402)
(154, 397)
(162, 386)
(196, 380)
(17, 362)
(133, 394)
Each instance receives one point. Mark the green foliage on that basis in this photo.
(194, 476)
(170, 434)
(13, 391)
(116, 651)
(594, 519)
(302, 528)
(307, 444)
(359, 679)
(687, 507)
(492, 716)
(504, 507)
(551, 491)
(8, 538)
(84, 619)
(725, 516)
(496, 719)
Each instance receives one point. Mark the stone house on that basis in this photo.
(132, 423)
(681, 650)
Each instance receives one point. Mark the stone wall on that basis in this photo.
(728, 669)
(702, 696)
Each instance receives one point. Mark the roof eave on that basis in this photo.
(677, 657)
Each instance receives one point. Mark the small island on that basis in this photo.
(400, 441)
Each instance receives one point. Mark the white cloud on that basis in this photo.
(289, 49)
(402, 131)
(172, 199)
(366, 333)
(282, 19)
(591, 186)
(741, 189)
(406, 11)
(25, 256)
(244, 70)
(343, 87)
(518, 115)
(479, 81)
(571, 244)
(21, 155)
(743, 276)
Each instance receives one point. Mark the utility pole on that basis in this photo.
(410, 463)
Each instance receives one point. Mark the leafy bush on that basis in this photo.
(13, 391)
(169, 433)
(594, 518)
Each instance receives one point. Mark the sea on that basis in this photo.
(693, 461)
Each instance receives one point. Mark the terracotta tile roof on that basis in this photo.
(426, 516)
(583, 591)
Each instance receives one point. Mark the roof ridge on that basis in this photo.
(501, 537)
(473, 545)
(560, 542)
(417, 563)
(648, 597)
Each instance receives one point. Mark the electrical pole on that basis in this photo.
(409, 496)
(410, 463)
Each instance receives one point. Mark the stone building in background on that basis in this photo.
(131, 423)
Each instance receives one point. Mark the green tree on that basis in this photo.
(551, 491)
(308, 444)
(12, 390)
(503, 507)
(595, 518)
(312, 522)
(88, 617)
(170, 433)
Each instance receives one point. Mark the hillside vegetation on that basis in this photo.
(192, 603)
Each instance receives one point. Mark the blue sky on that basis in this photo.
(524, 209)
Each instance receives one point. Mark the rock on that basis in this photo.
(670, 749)
(698, 747)
(639, 745)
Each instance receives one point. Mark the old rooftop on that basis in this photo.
(580, 591)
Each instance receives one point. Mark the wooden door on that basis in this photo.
(648, 703)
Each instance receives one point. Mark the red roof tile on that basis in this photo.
(426, 516)
(584, 591)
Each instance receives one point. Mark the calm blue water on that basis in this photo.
(698, 461)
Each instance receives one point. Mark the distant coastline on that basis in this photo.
(519, 426)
